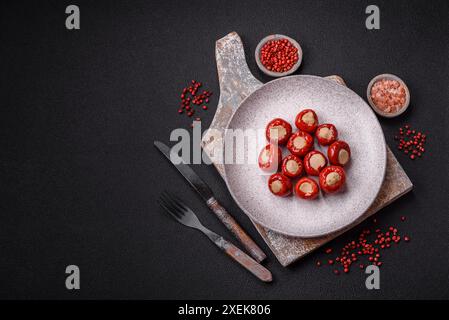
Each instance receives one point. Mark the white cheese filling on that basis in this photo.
(325, 133)
(343, 156)
(299, 142)
(332, 178)
(316, 161)
(265, 157)
(276, 186)
(292, 166)
(308, 118)
(306, 187)
(277, 132)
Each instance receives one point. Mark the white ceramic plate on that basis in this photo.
(356, 124)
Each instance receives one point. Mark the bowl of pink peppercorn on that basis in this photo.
(278, 55)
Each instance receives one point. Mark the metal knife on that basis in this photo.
(206, 193)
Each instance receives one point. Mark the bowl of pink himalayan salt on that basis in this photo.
(388, 95)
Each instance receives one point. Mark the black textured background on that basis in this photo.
(79, 176)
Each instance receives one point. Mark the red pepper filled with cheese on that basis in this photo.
(332, 178)
(326, 134)
(280, 185)
(314, 162)
(307, 121)
(307, 188)
(292, 166)
(278, 130)
(339, 153)
(300, 143)
(270, 158)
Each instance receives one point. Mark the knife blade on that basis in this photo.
(208, 196)
(195, 181)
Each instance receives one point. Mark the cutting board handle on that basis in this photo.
(231, 64)
(236, 83)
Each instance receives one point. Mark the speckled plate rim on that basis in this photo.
(310, 235)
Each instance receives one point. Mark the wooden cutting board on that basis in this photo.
(236, 83)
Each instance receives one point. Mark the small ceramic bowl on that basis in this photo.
(277, 37)
(387, 76)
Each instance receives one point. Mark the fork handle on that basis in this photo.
(232, 225)
(241, 257)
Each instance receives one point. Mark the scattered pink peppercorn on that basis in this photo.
(367, 246)
(190, 97)
(410, 141)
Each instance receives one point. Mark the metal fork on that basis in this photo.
(181, 213)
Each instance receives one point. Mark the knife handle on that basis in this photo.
(246, 261)
(236, 230)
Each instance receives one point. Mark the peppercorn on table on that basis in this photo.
(236, 83)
